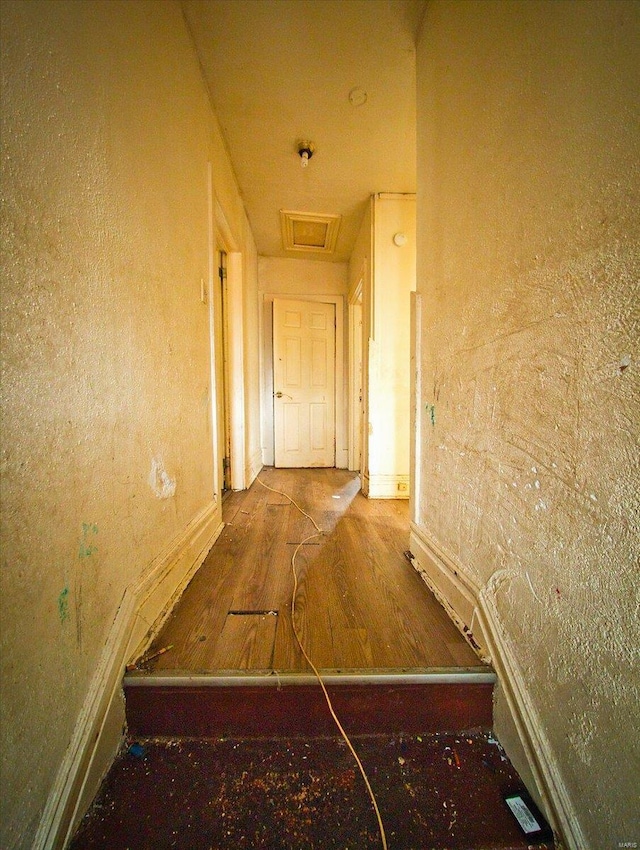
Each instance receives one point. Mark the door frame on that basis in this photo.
(356, 388)
(416, 423)
(233, 352)
(268, 429)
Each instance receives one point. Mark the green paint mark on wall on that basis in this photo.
(431, 408)
(63, 605)
(86, 546)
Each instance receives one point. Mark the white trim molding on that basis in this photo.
(456, 592)
(254, 467)
(235, 347)
(473, 610)
(233, 344)
(99, 728)
(537, 749)
(387, 486)
(415, 394)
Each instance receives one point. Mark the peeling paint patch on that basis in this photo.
(86, 546)
(163, 486)
(625, 362)
(63, 604)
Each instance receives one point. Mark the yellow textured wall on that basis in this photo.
(106, 412)
(529, 246)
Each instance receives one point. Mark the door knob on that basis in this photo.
(278, 394)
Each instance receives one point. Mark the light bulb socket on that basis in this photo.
(305, 152)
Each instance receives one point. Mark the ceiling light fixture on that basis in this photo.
(305, 152)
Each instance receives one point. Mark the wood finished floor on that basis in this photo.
(360, 604)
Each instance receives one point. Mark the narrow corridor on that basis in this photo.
(360, 605)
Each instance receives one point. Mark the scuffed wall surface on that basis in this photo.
(106, 429)
(529, 246)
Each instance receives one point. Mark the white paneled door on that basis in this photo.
(304, 383)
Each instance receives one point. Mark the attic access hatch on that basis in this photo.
(311, 232)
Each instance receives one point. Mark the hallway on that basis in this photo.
(480, 163)
(359, 604)
(229, 740)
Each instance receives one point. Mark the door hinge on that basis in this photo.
(222, 273)
(226, 463)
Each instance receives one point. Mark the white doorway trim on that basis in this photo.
(212, 272)
(356, 389)
(234, 354)
(266, 323)
(415, 445)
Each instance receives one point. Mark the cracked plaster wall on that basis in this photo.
(529, 262)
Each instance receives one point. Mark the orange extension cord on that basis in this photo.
(318, 533)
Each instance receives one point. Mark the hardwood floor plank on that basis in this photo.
(287, 654)
(246, 642)
(260, 560)
(360, 604)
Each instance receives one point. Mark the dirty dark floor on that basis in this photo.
(434, 791)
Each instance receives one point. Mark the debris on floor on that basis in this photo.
(142, 663)
(304, 794)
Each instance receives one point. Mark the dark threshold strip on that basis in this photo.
(255, 613)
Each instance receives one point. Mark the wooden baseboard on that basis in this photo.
(99, 728)
(253, 468)
(160, 587)
(387, 486)
(537, 749)
(473, 610)
(456, 592)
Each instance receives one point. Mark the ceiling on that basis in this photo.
(280, 71)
